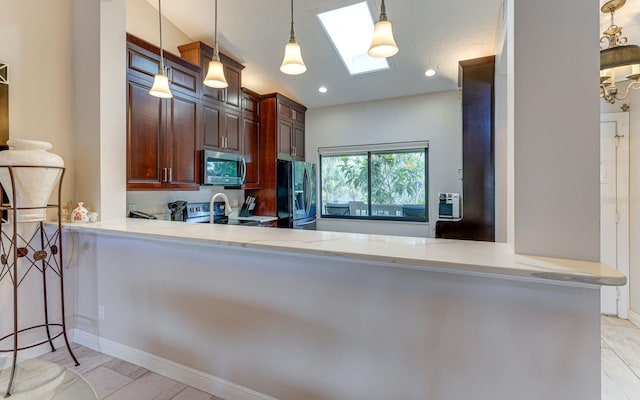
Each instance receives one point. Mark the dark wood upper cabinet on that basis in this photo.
(201, 54)
(287, 120)
(161, 133)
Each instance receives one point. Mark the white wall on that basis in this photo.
(556, 143)
(634, 192)
(142, 21)
(37, 45)
(434, 117)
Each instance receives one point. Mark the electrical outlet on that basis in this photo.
(101, 312)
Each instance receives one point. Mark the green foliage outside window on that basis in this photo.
(396, 181)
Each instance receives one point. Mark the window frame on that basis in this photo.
(375, 149)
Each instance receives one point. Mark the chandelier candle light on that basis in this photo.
(215, 74)
(160, 86)
(616, 58)
(292, 63)
(383, 44)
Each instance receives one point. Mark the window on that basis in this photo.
(383, 184)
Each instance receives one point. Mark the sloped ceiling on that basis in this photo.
(430, 34)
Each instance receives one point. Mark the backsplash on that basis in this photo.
(155, 202)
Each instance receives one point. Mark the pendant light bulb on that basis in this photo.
(160, 86)
(383, 44)
(292, 63)
(215, 73)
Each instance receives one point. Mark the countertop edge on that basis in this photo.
(491, 259)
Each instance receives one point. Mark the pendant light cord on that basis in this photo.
(161, 48)
(215, 34)
(383, 12)
(292, 38)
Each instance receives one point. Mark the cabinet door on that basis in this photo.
(284, 139)
(181, 138)
(211, 127)
(232, 94)
(251, 151)
(231, 131)
(298, 142)
(144, 137)
(182, 79)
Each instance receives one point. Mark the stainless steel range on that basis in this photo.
(200, 212)
(197, 212)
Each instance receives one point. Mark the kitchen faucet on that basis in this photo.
(227, 206)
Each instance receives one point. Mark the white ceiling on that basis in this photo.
(430, 34)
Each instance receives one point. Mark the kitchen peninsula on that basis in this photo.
(257, 313)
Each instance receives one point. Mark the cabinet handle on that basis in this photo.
(170, 74)
(243, 104)
(170, 174)
(164, 175)
(293, 151)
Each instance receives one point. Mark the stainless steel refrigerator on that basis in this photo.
(296, 194)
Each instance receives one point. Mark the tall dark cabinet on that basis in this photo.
(476, 77)
(161, 133)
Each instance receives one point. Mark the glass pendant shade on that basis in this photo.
(292, 63)
(215, 75)
(160, 87)
(383, 45)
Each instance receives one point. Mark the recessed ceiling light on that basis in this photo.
(322, 89)
(430, 72)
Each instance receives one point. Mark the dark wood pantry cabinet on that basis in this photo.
(281, 137)
(161, 133)
(251, 137)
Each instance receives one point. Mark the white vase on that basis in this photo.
(33, 185)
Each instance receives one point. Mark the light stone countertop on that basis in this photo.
(452, 256)
(258, 218)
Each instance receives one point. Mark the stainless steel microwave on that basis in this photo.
(224, 169)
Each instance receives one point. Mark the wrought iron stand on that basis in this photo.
(15, 246)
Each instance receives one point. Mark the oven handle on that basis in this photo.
(244, 170)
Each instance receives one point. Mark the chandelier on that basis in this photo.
(618, 58)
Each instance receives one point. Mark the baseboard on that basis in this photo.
(634, 317)
(208, 383)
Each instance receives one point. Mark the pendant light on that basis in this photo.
(292, 63)
(160, 86)
(383, 45)
(215, 73)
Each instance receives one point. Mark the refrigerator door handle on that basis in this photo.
(307, 191)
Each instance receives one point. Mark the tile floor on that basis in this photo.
(620, 360)
(115, 379)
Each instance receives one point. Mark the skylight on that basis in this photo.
(350, 29)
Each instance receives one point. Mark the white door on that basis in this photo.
(614, 207)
